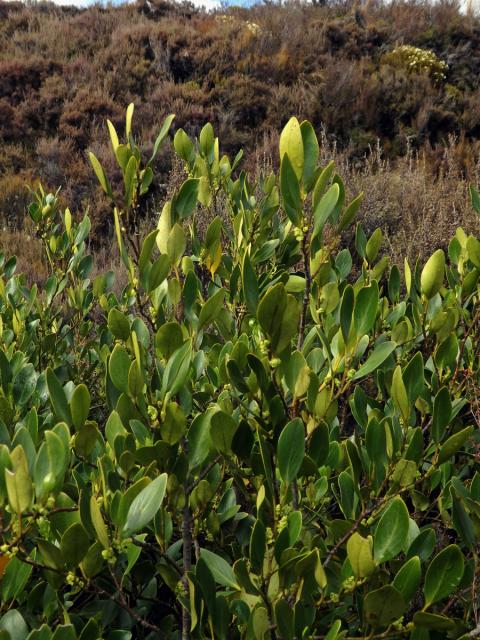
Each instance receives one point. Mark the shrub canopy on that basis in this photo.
(262, 435)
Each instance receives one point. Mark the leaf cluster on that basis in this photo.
(262, 435)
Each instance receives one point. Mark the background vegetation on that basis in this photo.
(64, 70)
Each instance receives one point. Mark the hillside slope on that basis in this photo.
(64, 70)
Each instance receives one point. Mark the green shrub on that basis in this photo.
(262, 436)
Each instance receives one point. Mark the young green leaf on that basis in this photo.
(442, 412)
(383, 606)
(375, 359)
(291, 144)
(360, 555)
(220, 569)
(57, 397)
(118, 367)
(408, 578)
(80, 405)
(291, 450)
(118, 324)
(443, 574)
(391, 531)
(145, 505)
(210, 310)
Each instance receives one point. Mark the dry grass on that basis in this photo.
(417, 204)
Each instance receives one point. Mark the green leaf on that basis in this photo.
(58, 397)
(51, 554)
(174, 425)
(284, 619)
(98, 523)
(260, 623)
(220, 569)
(348, 500)
(404, 472)
(360, 555)
(210, 310)
(373, 245)
(74, 545)
(291, 144)
(133, 553)
(64, 632)
(114, 428)
(454, 444)
(130, 180)
(128, 120)
(118, 367)
(383, 606)
(350, 212)
(375, 359)
(164, 226)
(100, 173)
(290, 188)
(176, 244)
(42, 633)
(442, 412)
(291, 450)
(158, 272)
(433, 621)
(118, 324)
(86, 439)
(80, 405)
(167, 123)
(433, 274)
(408, 578)
(185, 201)
(113, 135)
(169, 338)
(321, 183)
(324, 209)
(135, 379)
(473, 249)
(93, 561)
(297, 374)
(391, 531)
(18, 482)
(258, 546)
(222, 430)
(278, 314)
(176, 370)
(334, 630)
(145, 505)
(366, 308)
(475, 197)
(207, 141)
(147, 178)
(147, 248)
(15, 578)
(250, 285)
(13, 622)
(443, 574)
(346, 311)
(461, 520)
(183, 145)
(414, 377)
(310, 153)
(399, 394)
(128, 497)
